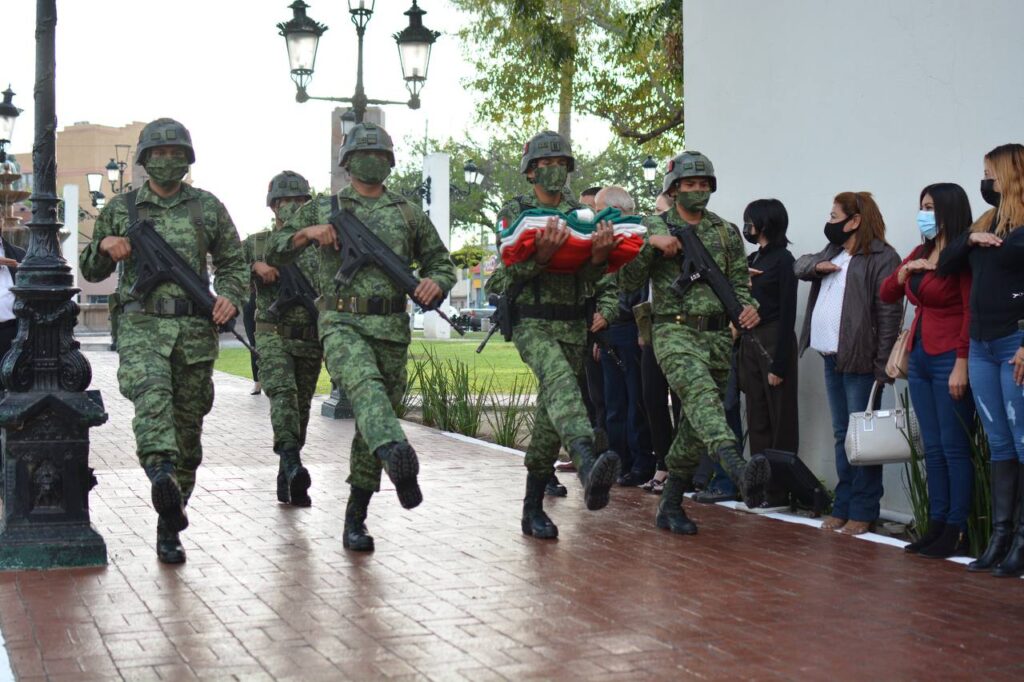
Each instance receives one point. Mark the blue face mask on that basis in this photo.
(926, 223)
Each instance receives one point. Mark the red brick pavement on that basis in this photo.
(455, 592)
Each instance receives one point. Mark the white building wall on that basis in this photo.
(802, 99)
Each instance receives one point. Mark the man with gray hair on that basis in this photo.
(628, 430)
(614, 196)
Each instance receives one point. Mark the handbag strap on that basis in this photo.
(871, 398)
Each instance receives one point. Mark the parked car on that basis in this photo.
(417, 316)
(476, 316)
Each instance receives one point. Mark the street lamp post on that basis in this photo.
(302, 37)
(116, 167)
(470, 172)
(46, 412)
(650, 168)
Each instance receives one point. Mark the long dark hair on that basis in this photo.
(770, 218)
(952, 211)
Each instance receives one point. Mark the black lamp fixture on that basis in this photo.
(302, 38)
(8, 115)
(650, 168)
(470, 173)
(95, 182)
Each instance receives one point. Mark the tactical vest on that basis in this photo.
(195, 216)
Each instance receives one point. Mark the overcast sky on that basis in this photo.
(221, 68)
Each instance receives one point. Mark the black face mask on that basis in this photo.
(988, 193)
(834, 231)
(749, 234)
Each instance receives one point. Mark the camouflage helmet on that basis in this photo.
(287, 184)
(366, 137)
(690, 165)
(546, 145)
(163, 132)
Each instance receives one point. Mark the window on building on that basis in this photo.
(97, 298)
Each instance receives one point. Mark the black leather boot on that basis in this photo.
(597, 473)
(554, 488)
(355, 536)
(1012, 565)
(293, 480)
(1003, 478)
(752, 477)
(402, 467)
(671, 515)
(166, 496)
(168, 545)
(935, 529)
(535, 522)
(945, 545)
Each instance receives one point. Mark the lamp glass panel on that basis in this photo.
(415, 60)
(7, 127)
(95, 181)
(302, 50)
(649, 173)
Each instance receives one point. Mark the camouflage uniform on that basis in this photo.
(367, 353)
(289, 363)
(550, 334)
(694, 358)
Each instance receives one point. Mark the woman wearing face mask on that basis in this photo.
(771, 387)
(854, 330)
(993, 250)
(937, 369)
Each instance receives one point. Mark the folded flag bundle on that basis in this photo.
(518, 240)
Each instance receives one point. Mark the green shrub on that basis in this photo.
(510, 413)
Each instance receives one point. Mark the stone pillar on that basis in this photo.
(437, 205)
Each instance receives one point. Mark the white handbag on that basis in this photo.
(880, 436)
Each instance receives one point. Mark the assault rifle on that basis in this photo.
(359, 246)
(293, 289)
(697, 265)
(502, 319)
(156, 262)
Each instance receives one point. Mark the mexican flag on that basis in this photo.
(518, 239)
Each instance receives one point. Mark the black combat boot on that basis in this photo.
(166, 495)
(1012, 565)
(355, 537)
(671, 515)
(293, 480)
(554, 488)
(402, 466)
(752, 477)
(935, 530)
(1003, 476)
(535, 522)
(597, 473)
(168, 545)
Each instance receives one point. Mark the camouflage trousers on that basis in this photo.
(372, 373)
(166, 370)
(560, 416)
(289, 370)
(696, 365)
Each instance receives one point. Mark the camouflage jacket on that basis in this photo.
(219, 239)
(722, 241)
(546, 288)
(255, 247)
(401, 225)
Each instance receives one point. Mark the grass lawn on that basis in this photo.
(500, 360)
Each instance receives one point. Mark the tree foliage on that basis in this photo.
(469, 256)
(620, 60)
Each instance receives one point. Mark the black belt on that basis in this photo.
(288, 331)
(364, 305)
(702, 323)
(552, 312)
(164, 307)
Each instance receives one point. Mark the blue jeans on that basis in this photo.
(1000, 401)
(628, 431)
(945, 429)
(860, 487)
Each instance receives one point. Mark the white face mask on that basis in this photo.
(926, 223)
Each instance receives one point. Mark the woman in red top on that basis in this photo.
(937, 370)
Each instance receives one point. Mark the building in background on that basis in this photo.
(813, 98)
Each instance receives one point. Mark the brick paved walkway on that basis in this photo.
(455, 592)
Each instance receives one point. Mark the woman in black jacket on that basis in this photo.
(994, 252)
(770, 387)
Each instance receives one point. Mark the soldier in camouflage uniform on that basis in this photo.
(691, 337)
(286, 341)
(550, 334)
(166, 347)
(364, 327)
